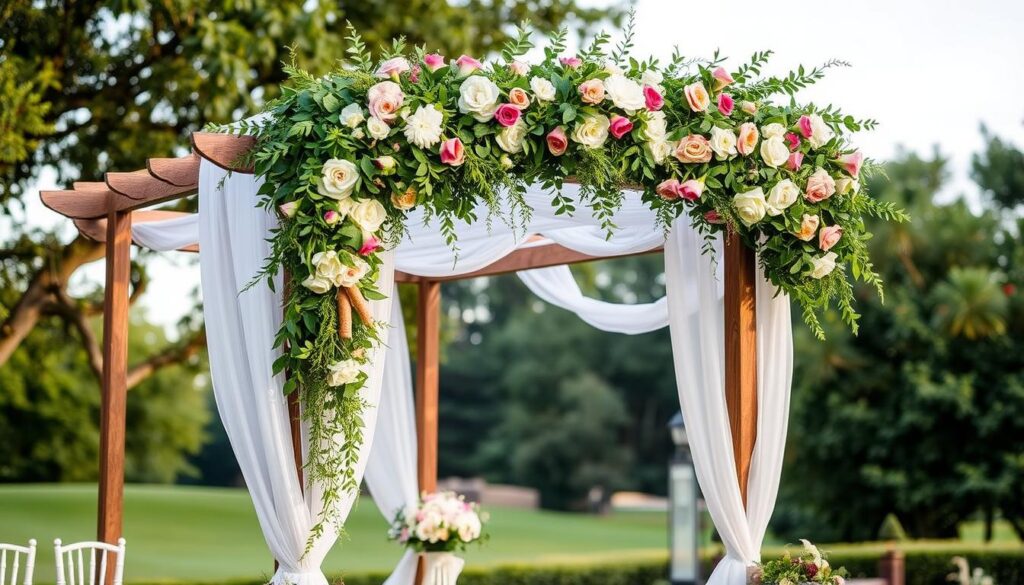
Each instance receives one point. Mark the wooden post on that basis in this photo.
(892, 567)
(741, 354)
(428, 340)
(115, 376)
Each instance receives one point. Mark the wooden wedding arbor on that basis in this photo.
(105, 211)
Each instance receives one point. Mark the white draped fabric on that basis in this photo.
(240, 328)
(232, 231)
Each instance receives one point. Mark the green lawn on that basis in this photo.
(184, 533)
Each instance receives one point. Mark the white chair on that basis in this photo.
(75, 554)
(16, 551)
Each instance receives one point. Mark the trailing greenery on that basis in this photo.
(346, 156)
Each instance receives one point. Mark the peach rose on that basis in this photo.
(829, 236)
(405, 200)
(808, 227)
(820, 186)
(592, 91)
(693, 149)
(385, 99)
(519, 98)
(697, 97)
(748, 138)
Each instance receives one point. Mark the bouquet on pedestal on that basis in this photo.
(437, 526)
(810, 567)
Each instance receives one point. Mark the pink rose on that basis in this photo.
(669, 189)
(820, 186)
(467, 65)
(713, 217)
(722, 78)
(433, 61)
(332, 217)
(519, 68)
(792, 140)
(829, 236)
(453, 153)
(507, 115)
(369, 245)
(519, 98)
(851, 162)
(725, 104)
(620, 126)
(288, 209)
(693, 149)
(570, 62)
(557, 141)
(747, 140)
(392, 68)
(805, 126)
(691, 190)
(592, 91)
(697, 97)
(795, 160)
(384, 100)
(653, 99)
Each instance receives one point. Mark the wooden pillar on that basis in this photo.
(115, 376)
(741, 354)
(428, 355)
(892, 567)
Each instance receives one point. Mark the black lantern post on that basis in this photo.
(684, 567)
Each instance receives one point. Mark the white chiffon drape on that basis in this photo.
(240, 328)
(692, 309)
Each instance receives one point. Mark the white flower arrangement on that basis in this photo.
(439, 522)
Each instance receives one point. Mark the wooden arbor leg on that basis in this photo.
(741, 354)
(428, 370)
(115, 377)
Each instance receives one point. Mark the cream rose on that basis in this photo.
(808, 227)
(423, 128)
(820, 131)
(723, 142)
(343, 372)
(625, 93)
(327, 266)
(823, 265)
(772, 130)
(656, 127)
(351, 115)
(543, 89)
(317, 285)
(653, 79)
(774, 151)
(338, 178)
(351, 275)
(751, 206)
(369, 214)
(511, 138)
(479, 96)
(592, 132)
(846, 185)
(660, 150)
(781, 196)
(377, 128)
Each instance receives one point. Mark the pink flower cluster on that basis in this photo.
(440, 519)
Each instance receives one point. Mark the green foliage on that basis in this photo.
(892, 529)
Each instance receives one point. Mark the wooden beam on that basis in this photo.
(180, 171)
(115, 376)
(96, 229)
(224, 150)
(142, 186)
(428, 341)
(741, 354)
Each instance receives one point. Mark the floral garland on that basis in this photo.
(346, 156)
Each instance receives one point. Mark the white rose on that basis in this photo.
(781, 196)
(624, 93)
(723, 142)
(338, 178)
(351, 275)
(592, 131)
(511, 138)
(772, 130)
(820, 131)
(543, 89)
(377, 128)
(751, 206)
(653, 79)
(423, 128)
(656, 126)
(317, 285)
(774, 151)
(369, 214)
(823, 265)
(846, 185)
(478, 96)
(327, 265)
(352, 115)
(660, 150)
(343, 372)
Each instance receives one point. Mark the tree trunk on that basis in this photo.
(990, 520)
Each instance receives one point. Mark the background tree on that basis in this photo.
(921, 416)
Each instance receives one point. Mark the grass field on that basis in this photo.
(183, 533)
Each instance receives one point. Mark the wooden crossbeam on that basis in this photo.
(224, 150)
(182, 171)
(96, 229)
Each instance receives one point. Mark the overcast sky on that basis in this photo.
(929, 71)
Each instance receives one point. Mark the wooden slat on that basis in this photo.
(115, 372)
(142, 186)
(96, 229)
(77, 204)
(428, 370)
(181, 171)
(224, 150)
(741, 354)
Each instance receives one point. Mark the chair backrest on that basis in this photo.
(10, 556)
(72, 559)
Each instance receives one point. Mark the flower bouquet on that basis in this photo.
(437, 526)
(808, 568)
